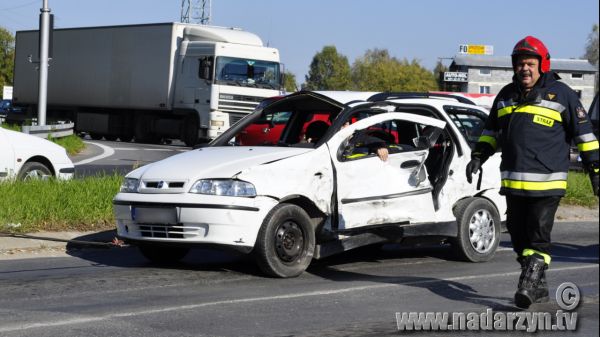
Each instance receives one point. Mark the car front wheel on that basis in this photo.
(34, 170)
(478, 230)
(286, 242)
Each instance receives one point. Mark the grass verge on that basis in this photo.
(579, 191)
(86, 204)
(53, 205)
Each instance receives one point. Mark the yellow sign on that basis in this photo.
(476, 49)
(543, 120)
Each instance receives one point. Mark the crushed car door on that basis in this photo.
(372, 192)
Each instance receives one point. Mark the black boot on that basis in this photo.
(532, 283)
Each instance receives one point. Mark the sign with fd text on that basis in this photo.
(475, 49)
(451, 76)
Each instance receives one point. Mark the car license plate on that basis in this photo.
(158, 215)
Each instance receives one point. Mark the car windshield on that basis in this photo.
(470, 122)
(247, 72)
(280, 128)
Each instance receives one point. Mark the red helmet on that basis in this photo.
(532, 46)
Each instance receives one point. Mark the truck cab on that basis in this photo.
(223, 80)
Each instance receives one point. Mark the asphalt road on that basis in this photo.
(116, 292)
(107, 157)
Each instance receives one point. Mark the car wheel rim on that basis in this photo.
(482, 231)
(36, 175)
(289, 241)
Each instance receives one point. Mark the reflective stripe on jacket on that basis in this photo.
(534, 132)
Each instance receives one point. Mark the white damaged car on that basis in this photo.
(300, 178)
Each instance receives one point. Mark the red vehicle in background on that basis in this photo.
(268, 130)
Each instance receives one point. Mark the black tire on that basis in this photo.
(163, 254)
(111, 138)
(126, 138)
(286, 242)
(478, 230)
(34, 170)
(189, 132)
(95, 136)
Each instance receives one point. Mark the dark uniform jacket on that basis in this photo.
(535, 131)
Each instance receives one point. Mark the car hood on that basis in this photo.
(212, 162)
(27, 145)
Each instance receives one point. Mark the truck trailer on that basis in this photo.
(149, 81)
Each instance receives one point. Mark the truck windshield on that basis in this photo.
(247, 73)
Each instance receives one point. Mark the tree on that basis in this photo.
(591, 48)
(378, 71)
(438, 73)
(329, 70)
(289, 82)
(7, 56)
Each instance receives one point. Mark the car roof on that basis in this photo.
(348, 97)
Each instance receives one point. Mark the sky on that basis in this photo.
(422, 30)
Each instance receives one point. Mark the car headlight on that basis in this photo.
(130, 185)
(224, 187)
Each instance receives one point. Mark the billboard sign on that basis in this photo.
(452, 76)
(475, 49)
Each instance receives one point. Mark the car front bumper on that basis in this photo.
(191, 219)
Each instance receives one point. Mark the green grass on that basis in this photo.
(86, 204)
(52, 205)
(13, 127)
(72, 143)
(579, 191)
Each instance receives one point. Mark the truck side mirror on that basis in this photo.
(205, 71)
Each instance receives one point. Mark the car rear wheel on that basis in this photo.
(163, 254)
(34, 170)
(478, 230)
(286, 242)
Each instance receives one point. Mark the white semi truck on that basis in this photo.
(149, 81)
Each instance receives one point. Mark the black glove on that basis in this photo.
(594, 179)
(473, 167)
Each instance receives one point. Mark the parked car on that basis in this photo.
(290, 201)
(5, 105)
(23, 156)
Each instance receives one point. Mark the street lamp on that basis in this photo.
(44, 47)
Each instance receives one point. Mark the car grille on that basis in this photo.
(161, 186)
(178, 231)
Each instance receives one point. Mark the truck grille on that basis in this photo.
(238, 103)
(234, 118)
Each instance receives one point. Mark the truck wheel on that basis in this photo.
(163, 254)
(478, 230)
(126, 138)
(95, 136)
(34, 170)
(286, 242)
(189, 134)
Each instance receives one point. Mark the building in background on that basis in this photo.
(487, 74)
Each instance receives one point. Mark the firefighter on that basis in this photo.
(533, 121)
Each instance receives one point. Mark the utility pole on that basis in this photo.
(196, 11)
(44, 47)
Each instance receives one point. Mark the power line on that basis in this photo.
(196, 11)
